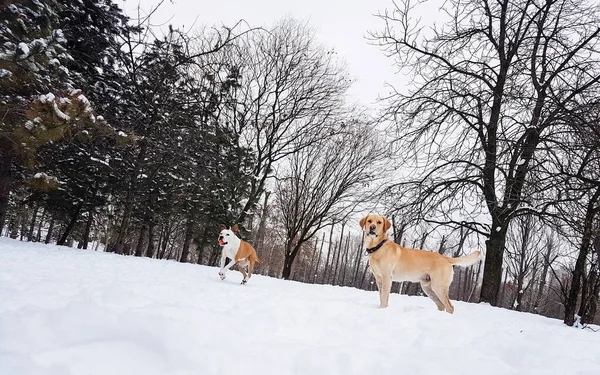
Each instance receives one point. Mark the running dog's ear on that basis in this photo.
(386, 224)
(222, 226)
(363, 221)
(235, 228)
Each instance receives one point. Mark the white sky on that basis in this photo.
(339, 24)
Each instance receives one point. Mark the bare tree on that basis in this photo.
(548, 257)
(490, 85)
(522, 254)
(288, 91)
(323, 183)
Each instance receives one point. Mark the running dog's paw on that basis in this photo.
(222, 275)
(244, 282)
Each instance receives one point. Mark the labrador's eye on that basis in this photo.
(369, 221)
(379, 222)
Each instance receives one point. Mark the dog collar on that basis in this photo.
(371, 250)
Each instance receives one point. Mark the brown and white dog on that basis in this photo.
(239, 251)
(392, 262)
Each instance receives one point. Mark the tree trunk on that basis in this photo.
(571, 301)
(202, 243)
(474, 282)
(364, 276)
(492, 271)
(314, 278)
(588, 314)
(584, 294)
(97, 245)
(32, 224)
(398, 232)
(346, 261)
(404, 287)
(166, 237)
(312, 261)
(23, 224)
(161, 235)
(139, 247)
(519, 296)
(63, 238)
(150, 248)
(339, 251)
(525, 237)
(128, 206)
(290, 255)
(327, 267)
(189, 231)
(335, 258)
(543, 277)
(5, 179)
(107, 238)
(502, 289)
(595, 295)
(38, 236)
(357, 265)
(465, 291)
(88, 227)
(527, 305)
(458, 283)
(13, 227)
(270, 261)
(124, 227)
(50, 229)
(442, 247)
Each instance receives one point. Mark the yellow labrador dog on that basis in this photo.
(392, 262)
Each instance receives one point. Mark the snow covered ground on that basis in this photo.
(68, 311)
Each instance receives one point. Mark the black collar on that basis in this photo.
(371, 250)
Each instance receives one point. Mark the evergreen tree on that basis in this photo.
(32, 58)
(50, 48)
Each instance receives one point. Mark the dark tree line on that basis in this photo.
(141, 141)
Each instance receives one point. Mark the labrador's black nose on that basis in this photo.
(372, 227)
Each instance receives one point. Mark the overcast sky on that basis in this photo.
(339, 24)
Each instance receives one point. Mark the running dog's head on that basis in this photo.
(228, 235)
(374, 226)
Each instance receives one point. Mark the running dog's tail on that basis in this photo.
(466, 260)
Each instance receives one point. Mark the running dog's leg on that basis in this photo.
(251, 267)
(227, 267)
(222, 265)
(241, 267)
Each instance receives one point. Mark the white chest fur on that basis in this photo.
(232, 247)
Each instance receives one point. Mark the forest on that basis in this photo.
(119, 136)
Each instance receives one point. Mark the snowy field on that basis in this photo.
(68, 311)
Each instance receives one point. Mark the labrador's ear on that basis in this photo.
(363, 221)
(222, 226)
(386, 224)
(235, 228)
